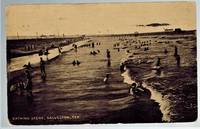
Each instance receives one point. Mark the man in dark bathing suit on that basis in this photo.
(108, 53)
(42, 69)
(29, 86)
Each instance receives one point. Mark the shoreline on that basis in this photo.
(181, 32)
(166, 101)
(19, 73)
(34, 59)
(128, 79)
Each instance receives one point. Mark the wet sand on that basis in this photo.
(79, 94)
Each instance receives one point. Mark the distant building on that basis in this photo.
(136, 33)
(177, 30)
(43, 36)
(168, 30)
(52, 35)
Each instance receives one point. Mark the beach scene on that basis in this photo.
(101, 63)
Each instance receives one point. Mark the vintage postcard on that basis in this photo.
(101, 63)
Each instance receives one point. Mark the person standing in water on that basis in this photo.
(29, 86)
(108, 53)
(108, 57)
(92, 45)
(177, 56)
(47, 53)
(178, 60)
(158, 62)
(175, 51)
(118, 49)
(59, 50)
(108, 63)
(106, 79)
(165, 51)
(158, 70)
(122, 67)
(28, 67)
(75, 47)
(42, 69)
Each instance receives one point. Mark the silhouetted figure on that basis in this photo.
(105, 80)
(122, 67)
(59, 50)
(158, 62)
(40, 53)
(175, 51)
(178, 58)
(46, 53)
(108, 53)
(133, 88)
(21, 87)
(158, 70)
(29, 82)
(42, 69)
(108, 63)
(28, 67)
(139, 91)
(94, 53)
(118, 49)
(78, 62)
(74, 62)
(75, 47)
(165, 51)
(92, 45)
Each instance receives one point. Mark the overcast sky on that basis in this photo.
(72, 19)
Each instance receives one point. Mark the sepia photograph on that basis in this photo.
(101, 63)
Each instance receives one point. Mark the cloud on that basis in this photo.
(140, 25)
(158, 24)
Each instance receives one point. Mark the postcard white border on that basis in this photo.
(3, 81)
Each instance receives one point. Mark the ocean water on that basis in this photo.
(80, 94)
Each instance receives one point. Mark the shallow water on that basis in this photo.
(80, 91)
(175, 87)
